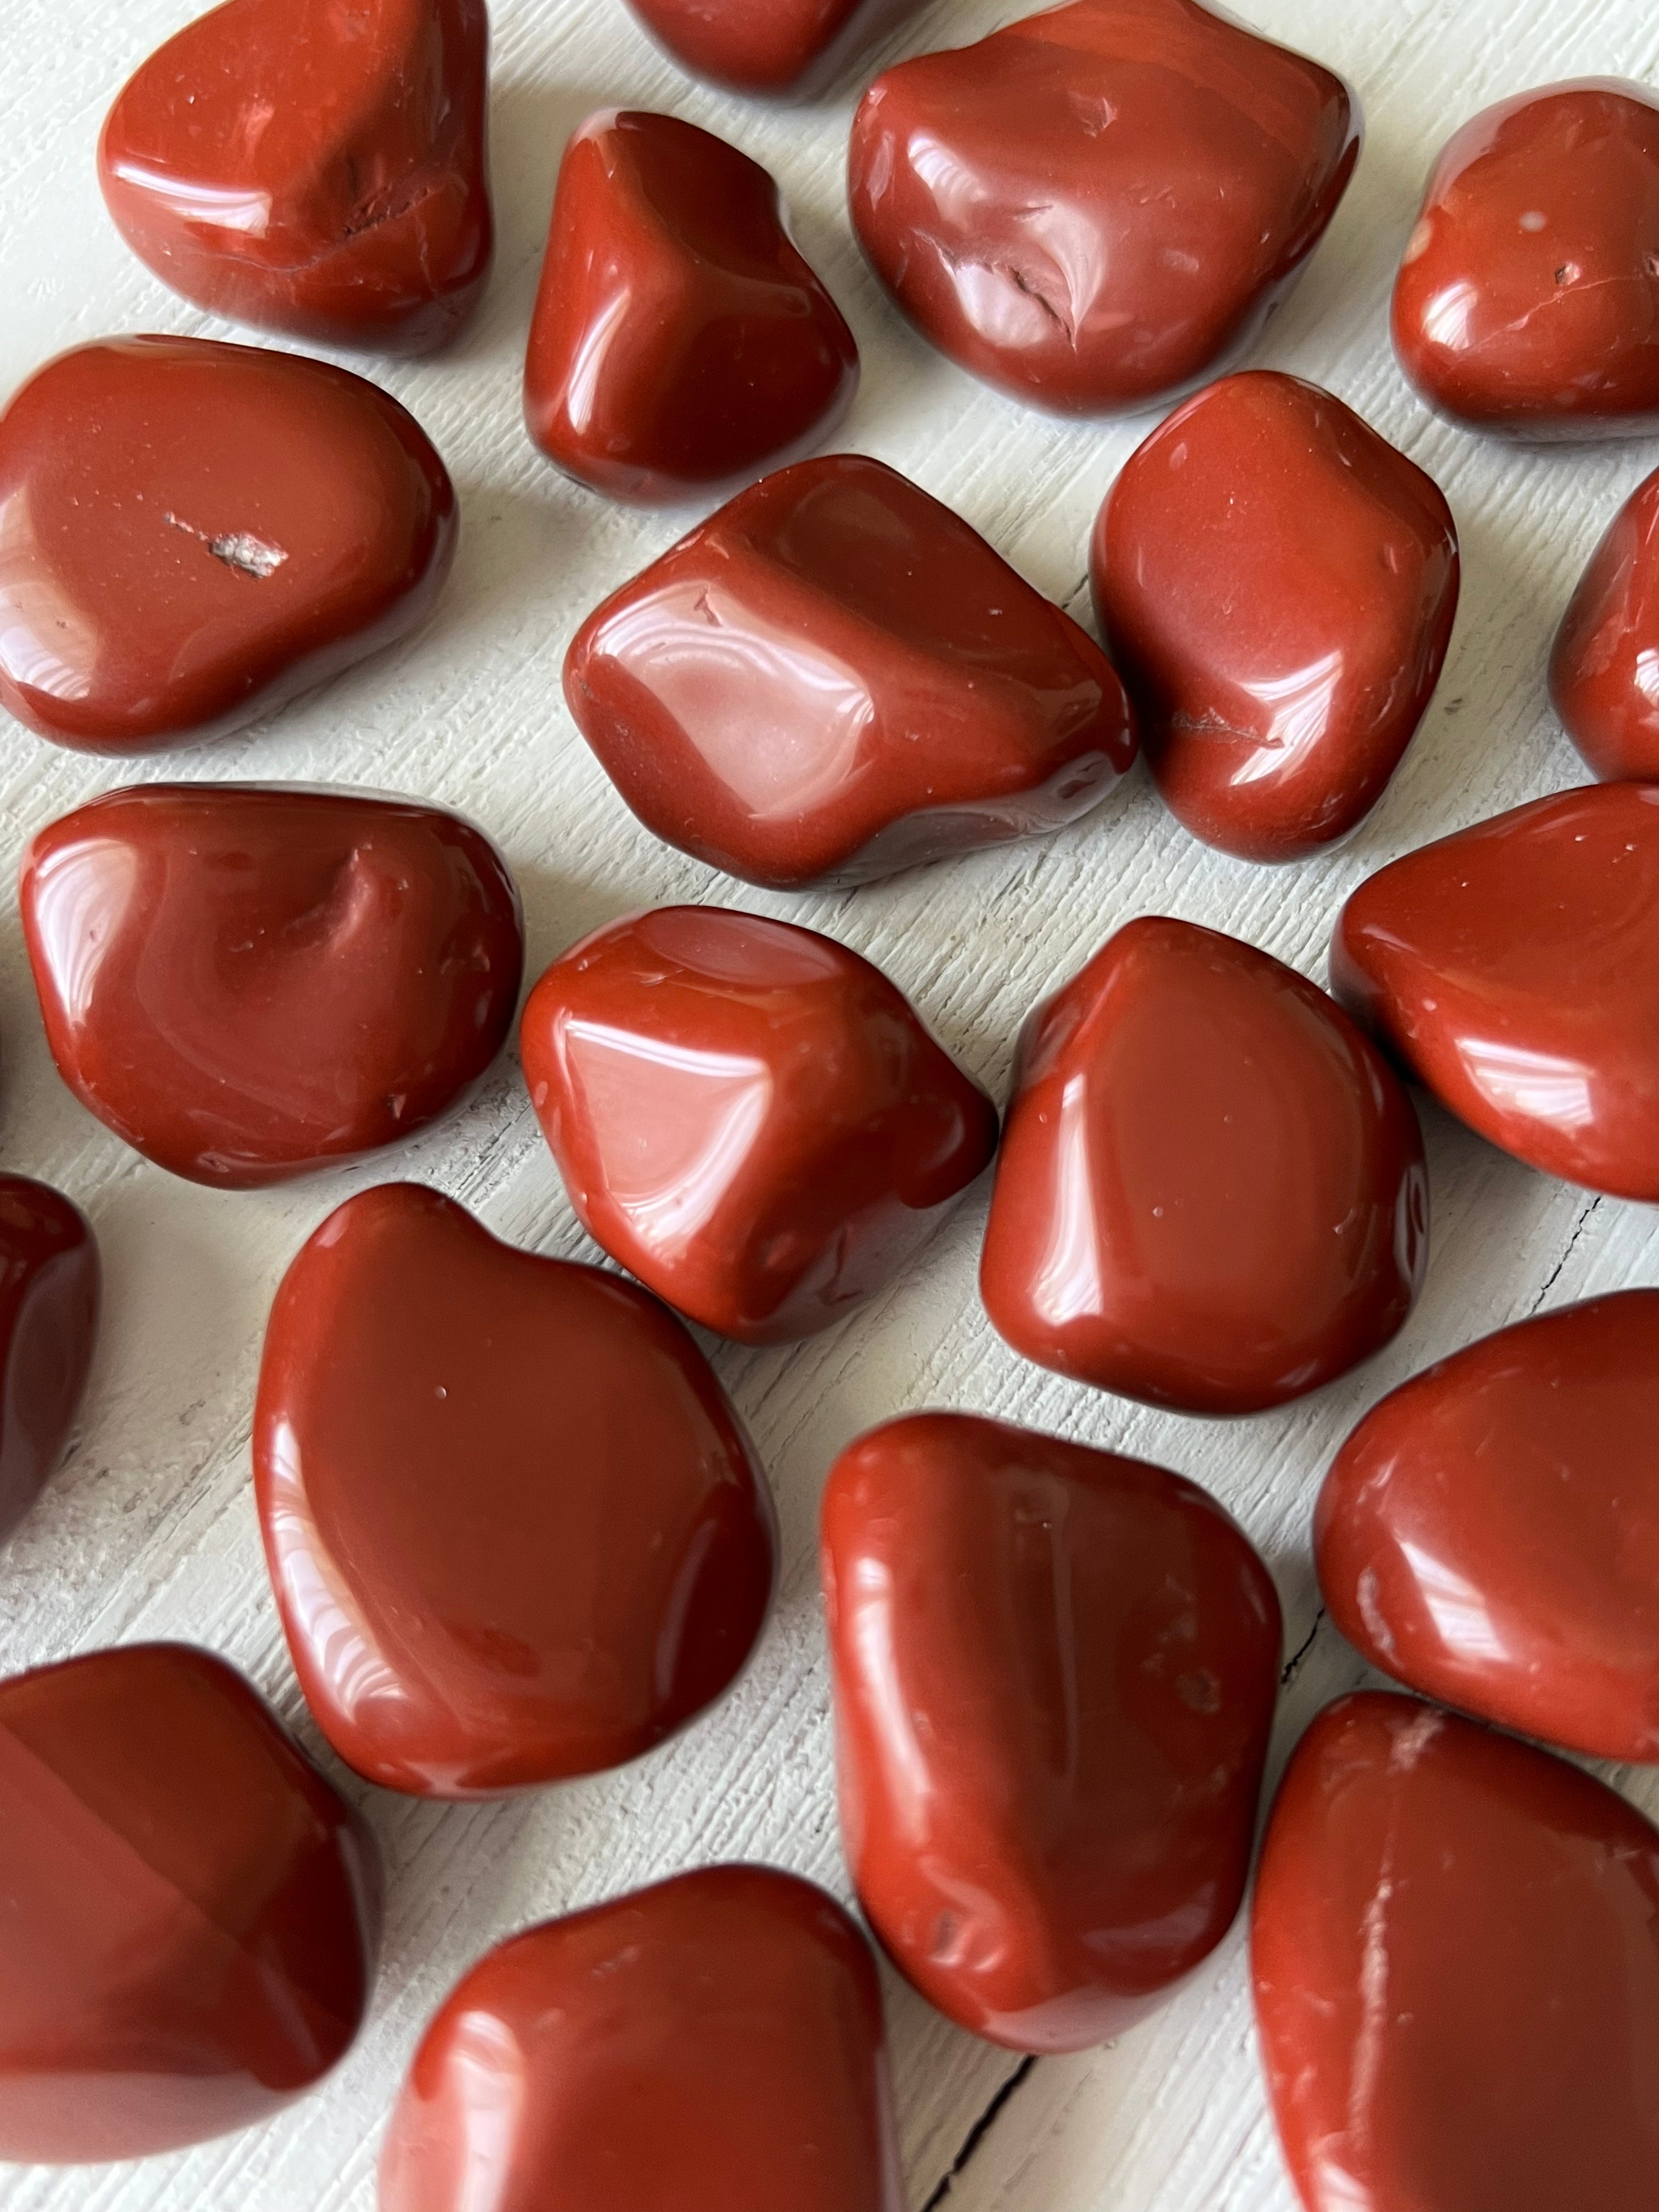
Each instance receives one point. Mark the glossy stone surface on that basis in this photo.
(1456, 1982)
(835, 679)
(747, 1116)
(1489, 1534)
(1528, 301)
(246, 982)
(1211, 1193)
(1604, 670)
(1056, 1672)
(781, 47)
(197, 533)
(1513, 970)
(714, 2043)
(1276, 584)
(1097, 207)
(49, 1293)
(313, 166)
(515, 1529)
(680, 344)
(192, 1912)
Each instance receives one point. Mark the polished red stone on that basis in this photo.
(747, 1116)
(1097, 207)
(792, 47)
(835, 679)
(247, 983)
(1489, 1534)
(680, 342)
(49, 1292)
(197, 533)
(1457, 1979)
(1276, 584)
(1604, 670)
(515, 1529)
(1056, 1672)
(1212, 1192)
(313, 166)
(1513, 970)
(192, 1913)
(714, 2043)
(1528, 301)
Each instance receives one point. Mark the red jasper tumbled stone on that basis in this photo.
(49, 1293)
(1456, 1981)
(680, 344)
(789, 47)
(1212, 1192)
(1056, 1672)
(515, 1529)
(834, 678)
(1489, 1534)
(313, 166)
(714, 2043)
(197, 533)
(1095, 207)
(1276, 586)
(1528, 301)
(248, 983)
(748, 1116)
(1513, 970)
(192, 1913)
(1604, 670)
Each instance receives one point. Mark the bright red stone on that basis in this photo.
(1276, 586)
(793, 48)
(1604, 670)
(192, 1913)
(680, 344)
(1055, 1671)
(835, 679)
(247, 983)
(1456, 1980)
(1513, 970)
(316, 166)
(714, 2043)
(197, 533)
(515, 1529)
(1528, 298)
(49, 1296)
(748, 1116)
(1097, 207)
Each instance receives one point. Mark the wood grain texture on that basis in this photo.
(150, 1530)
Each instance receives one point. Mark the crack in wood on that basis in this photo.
(980, 2129)
(1293, 1665)
(1550, 1281)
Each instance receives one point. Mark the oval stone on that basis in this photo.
(49, 1299)
(1604, 668)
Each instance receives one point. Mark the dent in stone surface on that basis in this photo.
(788, 49)
(49, 1297)
(1604, 669)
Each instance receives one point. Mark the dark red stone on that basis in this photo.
(1212, 1192)
(790, 47)
(316, 166)
(515, 1529)
(192, 1913)
(49, 1293)
(197, 533)
(1276, 586)
(1055, 1671)
(712, 2044)
(247, 983)
(1098, 207)
(1456, 1978)
(680, 344)
(1604, 670)
(835, 679)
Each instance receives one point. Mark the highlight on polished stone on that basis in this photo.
(1096, 208)
(246, 982)
(748, 1116)
(1604, 669)
(192, 1912)
(313, 169)
(1276, 584)
(197, 533)
(516, 1531)
(835, 679)
(680, 344)
(1527, 300)
(49, 1299)
(1211, 1193)
(787, 48)
(1054, 1675)
(1457, 1983)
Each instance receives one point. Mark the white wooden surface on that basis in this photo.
(150, 1530)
